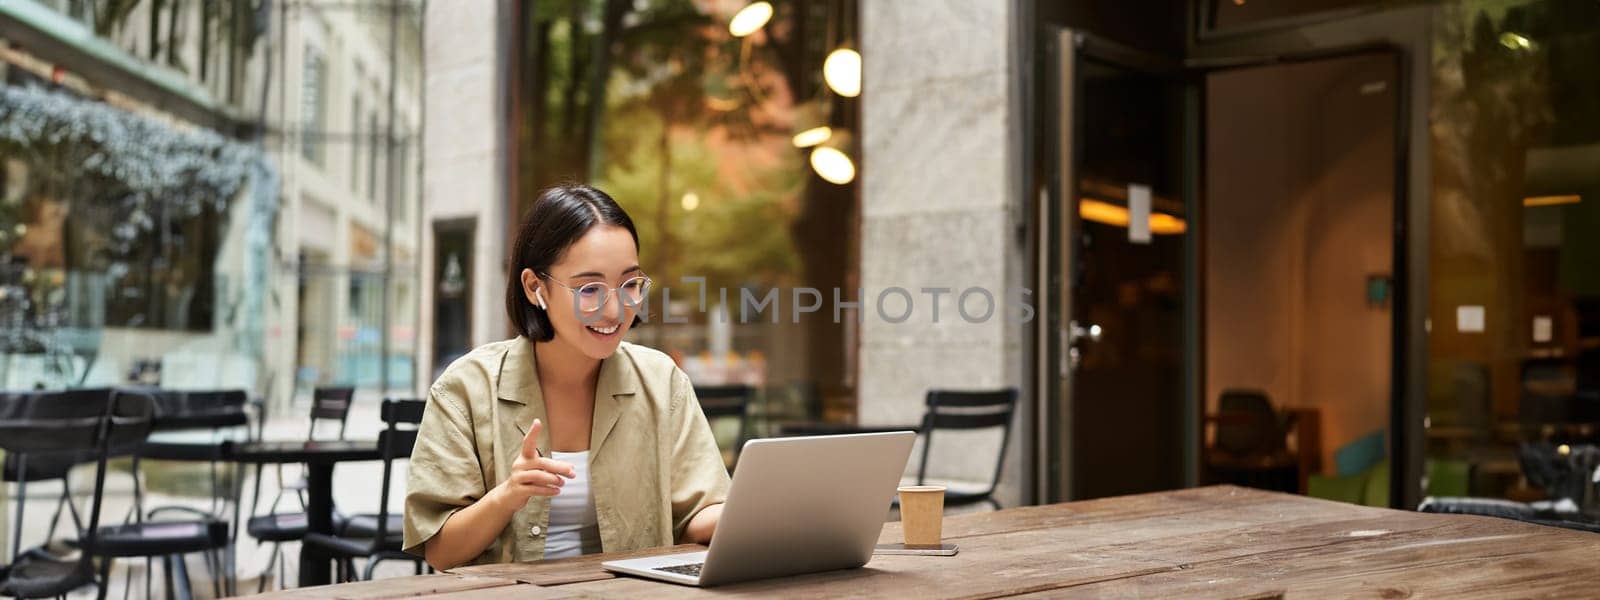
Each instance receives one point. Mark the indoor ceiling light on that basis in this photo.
(1515, 41)
(812, 136)
(833, 165)
(1165, 224)
(842, 71)
(750, 19)
(1106, 213)
(1551, 200)
(1102, 212)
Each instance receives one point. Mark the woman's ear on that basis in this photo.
(533, 288)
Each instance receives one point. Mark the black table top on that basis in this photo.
(305, 452)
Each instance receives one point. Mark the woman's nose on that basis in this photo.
(615, 298)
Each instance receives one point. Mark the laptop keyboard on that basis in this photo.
(690, 570)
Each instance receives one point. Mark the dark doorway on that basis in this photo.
(1299, 256)
(1212, 229)
(452, 291)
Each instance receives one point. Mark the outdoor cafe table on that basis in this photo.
(1213, 542)
(320, 458)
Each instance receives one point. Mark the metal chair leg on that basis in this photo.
(127, 588)
(272, 563)
(55, 519)
(372, 561)
(214, 569)
(105, 578)
(22, 497)
(166, 577)
(186, 591)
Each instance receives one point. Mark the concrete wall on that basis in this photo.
(939, 208)
(464, 172)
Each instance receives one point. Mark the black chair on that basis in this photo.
(378, 537)
(155, 533)
(1550, 409)
(327, 404)
(727, 402)
(953, 410)
(330, 404)
(1250, 445)
(22, 470)
(67, 423)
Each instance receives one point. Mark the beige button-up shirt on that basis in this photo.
(653, 463)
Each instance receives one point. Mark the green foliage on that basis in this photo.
(680, 116)
(735, 237)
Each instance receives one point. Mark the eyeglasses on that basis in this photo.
(591, 297)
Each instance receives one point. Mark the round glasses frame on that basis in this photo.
(597, 292)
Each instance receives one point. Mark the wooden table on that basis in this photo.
(1214, 542)
(320, 458)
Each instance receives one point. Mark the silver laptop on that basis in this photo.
(797, 505)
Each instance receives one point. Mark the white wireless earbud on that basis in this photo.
(538, 297)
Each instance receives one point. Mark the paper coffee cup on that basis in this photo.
(922, 515)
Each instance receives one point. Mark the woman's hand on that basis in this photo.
(466, 533)
(532, 474)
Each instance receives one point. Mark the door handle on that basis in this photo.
(1079, 332)
(1072, 337)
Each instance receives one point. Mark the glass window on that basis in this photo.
(313, 84)
(692, 129)
(88, 252)
(356, 145)
(373, 145)
(402, 175)
(1514, 303)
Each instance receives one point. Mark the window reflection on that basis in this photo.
(1514, 329)
(694, 130)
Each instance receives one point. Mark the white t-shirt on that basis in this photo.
(574, 529)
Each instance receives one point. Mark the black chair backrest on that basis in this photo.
(51, 422)
(330, 404)
(395, 442)
(727, 401)
(72, 421)
(207, 409)
(1247, 423)
(402, 411)
(949, 409)
(724, 400)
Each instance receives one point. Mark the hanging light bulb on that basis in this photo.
(750, 19)
(833, 165)
(812, 136)
(842, 71)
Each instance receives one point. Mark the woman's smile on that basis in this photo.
(605, 332)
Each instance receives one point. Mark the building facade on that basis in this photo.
(1203, 206)
(307, 277)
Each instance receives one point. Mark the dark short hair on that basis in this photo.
(560, 216)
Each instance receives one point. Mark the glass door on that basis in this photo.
(1115, 257)
(1220, 252)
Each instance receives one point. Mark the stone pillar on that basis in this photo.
(940, 209)
(463, 174)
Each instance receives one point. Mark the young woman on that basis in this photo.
(565, 440)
